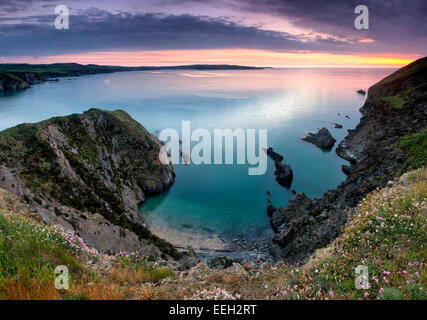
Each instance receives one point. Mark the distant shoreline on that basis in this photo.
(17, 77)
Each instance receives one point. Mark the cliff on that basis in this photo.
(89, 173)
(387, 234)
(10, 83)
(15, 77)
(395, 111)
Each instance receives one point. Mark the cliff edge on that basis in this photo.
(89, 173)
(395, 111)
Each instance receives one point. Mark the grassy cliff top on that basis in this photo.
(403, 87)
(75, 69)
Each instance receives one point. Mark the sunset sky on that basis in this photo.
(277, 33)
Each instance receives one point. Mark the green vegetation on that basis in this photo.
(58, 69)
(413, 70)
(75, 69)
(396, 102)
(387, 235)
(5, 74)
(415, 147)
(28, 146)
(403, 99)
(31, 250)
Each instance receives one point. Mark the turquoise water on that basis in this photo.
(221, 199)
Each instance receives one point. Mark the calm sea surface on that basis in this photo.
(220, 199)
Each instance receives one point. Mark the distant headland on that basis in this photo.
(16, 77)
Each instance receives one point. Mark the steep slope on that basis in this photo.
(387, 235)
(88, 172)
(376, 151)
(11, 83)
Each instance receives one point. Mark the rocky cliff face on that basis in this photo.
(11, 83)
(395, 107)
(88, 172)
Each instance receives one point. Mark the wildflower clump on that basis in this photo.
(214, 294)
(386, 238)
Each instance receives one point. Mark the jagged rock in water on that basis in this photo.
(283, 173)
(308, 225)
(362, 92)
(274, 155)
(337, 126)
(322, 139)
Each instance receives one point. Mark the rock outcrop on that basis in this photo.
(11, 83)
(283, 172)
(88, 172)
(322, 139)
(306, 225)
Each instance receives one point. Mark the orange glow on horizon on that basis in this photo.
(250, 57)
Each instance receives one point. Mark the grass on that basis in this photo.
(31, 250)
(42, 173)
(415, 146)
(387, 235)
(396, 102)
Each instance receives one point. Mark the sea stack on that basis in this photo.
(322, 139)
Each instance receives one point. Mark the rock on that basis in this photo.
(371, 147)
(274, 155)
(220, 263)
(322, 139)
(270, 210)
(187, 261)
(283, 173)
(347, 117)
(103, 166)
(279, 216)
(337, 126)
(362, 92)
(346, 169)
(11, 83)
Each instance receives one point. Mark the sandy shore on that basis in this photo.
(189, 239)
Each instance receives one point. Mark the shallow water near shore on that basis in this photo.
(218, 202)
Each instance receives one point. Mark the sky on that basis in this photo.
(276, 33)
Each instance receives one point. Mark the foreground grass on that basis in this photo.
(31, 250)
(415, 146)
(387, 235)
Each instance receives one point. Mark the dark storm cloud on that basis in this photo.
(393, 23)
(13, 6)
(96, 29)
(398, 25)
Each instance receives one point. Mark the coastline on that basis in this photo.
(208, 246)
